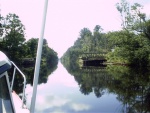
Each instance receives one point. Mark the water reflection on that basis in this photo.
(45, 71)
(61, 94)
(111, 89)
(130, 85)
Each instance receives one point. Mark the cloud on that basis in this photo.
(58, 111)
(49, 102)
(80, 107)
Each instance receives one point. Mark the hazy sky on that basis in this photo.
(65, 18)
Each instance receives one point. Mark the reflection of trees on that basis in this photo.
(89, 80)
(132, 86)
(45, 71)
(92, 81)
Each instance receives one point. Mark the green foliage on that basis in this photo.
(13, 40)
(130, 14)
(130, 45)
(88, 42)
(128, 48)
(32, 47)
(1, 27)
(49, 56)
(13, 24)
(17, 49)
(146, 29)
(23, 52)
(133, 19)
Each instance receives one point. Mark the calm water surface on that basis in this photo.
(62, 94)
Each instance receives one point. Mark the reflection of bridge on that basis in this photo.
(92, 59)
(93, 69)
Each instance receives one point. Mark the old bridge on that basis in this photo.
(92, 59)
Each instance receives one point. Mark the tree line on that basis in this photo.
(129, 46)
(15, 46)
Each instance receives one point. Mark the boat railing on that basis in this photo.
(24, 81)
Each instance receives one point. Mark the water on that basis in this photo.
(65, 93)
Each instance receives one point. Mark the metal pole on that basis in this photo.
(38, 60)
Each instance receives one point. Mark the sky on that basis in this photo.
(66, 18)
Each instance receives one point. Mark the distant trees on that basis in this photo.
(88, 42)
(91, 42)
(15, 46)
(129, 46)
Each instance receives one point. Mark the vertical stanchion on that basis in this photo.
(38, 60)
(12, 82)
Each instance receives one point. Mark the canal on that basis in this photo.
(114, 89)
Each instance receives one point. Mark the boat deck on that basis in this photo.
(18, 104)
